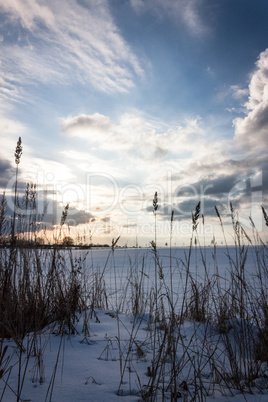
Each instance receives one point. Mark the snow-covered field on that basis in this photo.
(88, 368)
(215, 264)
(110, 353)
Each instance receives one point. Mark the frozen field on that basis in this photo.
(109, 353)
(217, 265)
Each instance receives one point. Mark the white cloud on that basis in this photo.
(185, 11)
(141, 150)
(238, 92)
(10, 91)
(71, 41)
(192, 18)
(258, 87)
(251, 131)
(138, 5)
(10, 131)
(88, 162)
(46, 171)
(28, 12)
(138, 137)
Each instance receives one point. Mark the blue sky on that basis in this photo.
(115, 100)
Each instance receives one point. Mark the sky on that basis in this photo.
(117, 99)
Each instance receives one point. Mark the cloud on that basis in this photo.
(137, 5)
(213, 184)
(185, 207)
(238, 92)
(82, 125)
(10, 131)
(9, 92)
(6, 172)
(49, 211)
(77, 217)
(143, 151)
(186, 11)
(148, 155)
(251, 131)
(78, 41)
(142, 138)
(188, 206)
(45, 173)
(28, 11)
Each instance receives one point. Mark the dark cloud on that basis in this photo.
(207, 206)
(7, 171)
(210, 186)
(228, 167)
(220, 178)
(77, 217)
(264, 171)
(48, 211)
(186, 207)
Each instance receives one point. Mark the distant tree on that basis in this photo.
(39, 241)
(67, 241)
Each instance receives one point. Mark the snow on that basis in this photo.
(88, 364)
(89, 367)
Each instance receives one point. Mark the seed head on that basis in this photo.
(64, 215)
(195, 216)
(18, 151)
(155, 202)
(265, 216)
